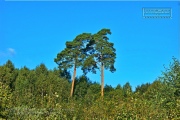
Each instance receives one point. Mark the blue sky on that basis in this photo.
(34, 32)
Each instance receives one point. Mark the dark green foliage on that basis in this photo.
(142, 88)
(100, 55)
(8, 74)
(73, 55)
(100, 50)
(81, 86)
(90, 52)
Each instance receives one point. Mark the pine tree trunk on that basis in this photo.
(102, 79)
(73, 80)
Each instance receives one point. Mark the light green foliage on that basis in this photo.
(43, 94)
(5, 100)
(127, 90)
(171, 77)
(24, 87)
(49, 87)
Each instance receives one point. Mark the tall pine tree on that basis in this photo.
(101, 55)
(72, 55)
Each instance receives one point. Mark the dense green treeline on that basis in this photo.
(41, 93)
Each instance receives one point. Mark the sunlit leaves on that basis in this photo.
(5, 100)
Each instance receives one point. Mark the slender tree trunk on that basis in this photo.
(73, 80)
(102, 79)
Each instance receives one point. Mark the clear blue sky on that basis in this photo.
(34, 32)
